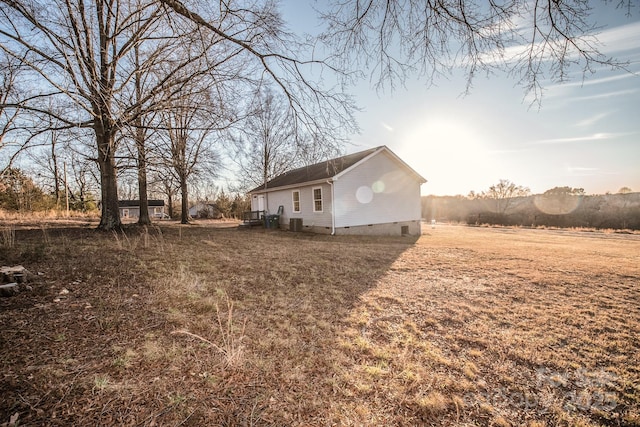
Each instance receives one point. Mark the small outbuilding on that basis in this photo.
(369, 192)
(205, 210)
(131, 209)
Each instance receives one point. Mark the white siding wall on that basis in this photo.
(277, 198)
(309, 217)
(255, 204)
(377, 191)
(134, 211)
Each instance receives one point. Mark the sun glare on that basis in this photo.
(452, 155)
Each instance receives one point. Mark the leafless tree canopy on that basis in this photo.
(531, 39)
(9, 95)
(267, 144)
(104, 65)
(503, 194)
(110, 66)
(256, 30)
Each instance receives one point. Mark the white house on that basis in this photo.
(131, 208)
(370, 192)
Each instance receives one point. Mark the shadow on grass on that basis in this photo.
(94, 341)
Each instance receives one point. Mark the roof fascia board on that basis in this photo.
(409, 168)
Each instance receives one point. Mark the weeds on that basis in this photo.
(125, 361)
(8, 237)
(466, 326)
(230, 339)
(123, 242)
(145, 239)
(27, 253)
(100, 383)
(434, 403)
(45, 235)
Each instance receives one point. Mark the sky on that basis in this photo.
(584, 134)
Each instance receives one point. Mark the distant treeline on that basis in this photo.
(609, 211)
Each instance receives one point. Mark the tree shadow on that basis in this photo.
(104, 307)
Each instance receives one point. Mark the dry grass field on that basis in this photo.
(205, 325)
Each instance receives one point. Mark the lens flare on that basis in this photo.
(364, 194)
(378, 187)
(557, 204)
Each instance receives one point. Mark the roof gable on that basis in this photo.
(327, 170)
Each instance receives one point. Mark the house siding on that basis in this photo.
(377, 191)
(311, 221)
(134, 212)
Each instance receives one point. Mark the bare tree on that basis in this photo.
(503, 194)
(393, 39)
(9, 94)
(76, 50)
(164, 182)
(267, 145)
(47, 163)
(625, 190)
(82, 182)
(254, 31)
(190, 126)
(315, 148)
(142, 124)
(564, 191)
(82, 56)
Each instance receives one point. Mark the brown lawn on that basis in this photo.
(206, 325)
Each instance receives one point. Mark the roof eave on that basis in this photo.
(382, 148)
(289, 186)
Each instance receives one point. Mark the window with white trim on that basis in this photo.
(295, 200)
(317, 199)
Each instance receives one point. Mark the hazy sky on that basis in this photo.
(585, 134)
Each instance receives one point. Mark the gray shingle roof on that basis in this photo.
(316, 172)
(136, 203)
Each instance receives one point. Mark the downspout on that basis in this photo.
(266, 197)
(333, 209)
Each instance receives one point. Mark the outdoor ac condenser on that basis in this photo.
(295, 224)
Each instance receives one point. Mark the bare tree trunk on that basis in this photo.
(56, 173)
(108, 176)
(168, 190)
(110, 214)
(143, 219)
(170, 201)
(184, 214)
(140, 135)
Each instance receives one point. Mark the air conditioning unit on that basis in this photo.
(295, 224)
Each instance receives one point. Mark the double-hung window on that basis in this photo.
(317, 199)
(295, 199)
